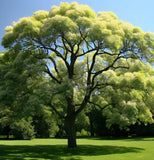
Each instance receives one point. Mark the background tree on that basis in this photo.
(74, 48)
(21, 109)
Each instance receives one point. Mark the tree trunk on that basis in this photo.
(71, 115)
(8, 135)
(8, 132)
(71, 131)
(91, 124)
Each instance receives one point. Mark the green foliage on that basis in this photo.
(23, 129)
(72, 20)
(127, 95)
(44, 122)
(69, 59)
(72, 10)
(83, 133)
(82, 124)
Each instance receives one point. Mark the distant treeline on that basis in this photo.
(92, 123)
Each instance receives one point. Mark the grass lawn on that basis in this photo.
(88, 149)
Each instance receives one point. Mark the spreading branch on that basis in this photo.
(56, 111)
(54, 63)
(105, 69)
(55, 51)
(51, 75)
(99, 106)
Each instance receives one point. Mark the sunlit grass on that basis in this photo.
(88, 149)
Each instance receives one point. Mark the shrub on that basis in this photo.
(23, 130)
(83, 133)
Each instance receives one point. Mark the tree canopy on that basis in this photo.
(71, 57)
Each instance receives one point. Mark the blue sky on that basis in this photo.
(137, 12)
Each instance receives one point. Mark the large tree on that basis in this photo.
(73, 48)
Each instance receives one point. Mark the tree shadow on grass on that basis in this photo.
(58, 152)
(122, 138)
(141, 139)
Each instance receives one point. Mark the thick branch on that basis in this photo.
(85, 101)
(122, 67)
(51, 75)
(55, 51)
(100, 107)
(64, 39)
(105, 69)
(54, 63)
(83, 105)
(56, 111)
(84, 53)
(92, 64)
(51, 59)
(102, 85)
(59, 55)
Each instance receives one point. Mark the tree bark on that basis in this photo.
(71, 131)
(71, 116)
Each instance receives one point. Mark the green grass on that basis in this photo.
(88, 149)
